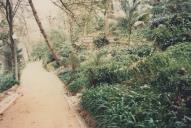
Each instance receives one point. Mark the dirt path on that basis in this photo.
(43, 104)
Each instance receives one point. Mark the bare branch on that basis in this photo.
(16, 7)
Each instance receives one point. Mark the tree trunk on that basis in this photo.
(42, 30)
(129, 42)
(106, 23)
(16, 62)
(130, 25)
(70, 30)
(106, 17)
(85, 24)
(14, 55)
(85, 29)
(9, 17)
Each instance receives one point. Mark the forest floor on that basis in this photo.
(44, 103)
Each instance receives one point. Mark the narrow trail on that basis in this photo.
(43, 104)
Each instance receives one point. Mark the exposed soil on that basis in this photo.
(44, 103)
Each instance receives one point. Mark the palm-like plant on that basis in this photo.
(130, 9)
(106, 7)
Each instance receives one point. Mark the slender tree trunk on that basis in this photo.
(106, 16)
(130, 25)
(129, 42)
(16, 62)
(9, 17)
(85, 28)
(85, 24)
(14, 53)
(14, 56)
(70, 31)
(106, 23)
(42, 30)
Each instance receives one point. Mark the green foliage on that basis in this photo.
(98, 70)
(4, 34)
(100, 24)
(6, 81)
(63, 49)
(77, 84)
(101, 41)
(64, 52)
(98, 100)
(136, 107)
(74, 61)
(52, 66)
(61, 46)
(142, 51)
(109, 72)
(123, 25)
(172, 23)
(41, 52)
(57, 37)
(74, 80)
(130, 9)
(102, 74)
(66, 76)
(95, 59)
(153, 94)
(172, 60)
(107, 66)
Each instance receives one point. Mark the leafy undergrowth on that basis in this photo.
(75, 81)
(98, 69)
(138, 87)
(154, 93)
(117, 106)
(6, 81)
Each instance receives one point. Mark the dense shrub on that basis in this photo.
(97, 100)
(134, 54)
(74, 61)
(100, 24)
(156, 94)
(125, 59)
(95, 59)
(74, 80)
(171, 23)
(66, 76)
(61, 46)
(57, 37)
(123, 25)
(144, 51)
(41, 52)
(136, 107)
(141, 51)
(6, 81)
(96, 72)
(107, 66)
(77, 84)
(172, 60)
(108, 73)
(101, 41)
